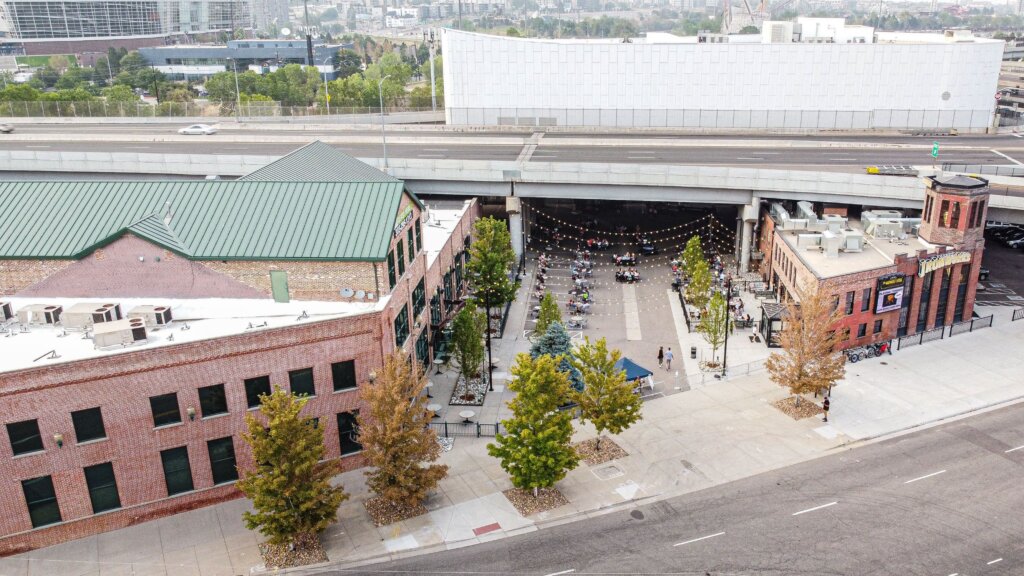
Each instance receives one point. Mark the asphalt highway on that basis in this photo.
(943, 501)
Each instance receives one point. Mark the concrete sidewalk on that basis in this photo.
(714, 433)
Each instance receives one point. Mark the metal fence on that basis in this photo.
(104, 109)
(465, 429)
(942, 332)
(888, 119)
(970, 325)
(730, 370)
(983, 169)
(1018, 314)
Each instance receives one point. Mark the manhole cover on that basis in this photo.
(638, 515)
(608, 472)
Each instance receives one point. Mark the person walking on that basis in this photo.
(661, 355)
(668, 359)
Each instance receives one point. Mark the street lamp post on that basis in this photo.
(383, 138)
(238, 93)
(327, 88)
(728, 319)
(433, 85)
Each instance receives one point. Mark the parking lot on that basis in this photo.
(1005, 284)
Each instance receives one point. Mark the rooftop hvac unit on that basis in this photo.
(119, 333)
(6, 311)
(40, 314)
(155, 316)
(85, 314)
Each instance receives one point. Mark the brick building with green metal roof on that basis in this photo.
(131, 304)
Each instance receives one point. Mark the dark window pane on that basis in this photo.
(849, 302)
(177, 471)
(102, 487)
(877, 327)
(24, 437)
(348, 432)
(865, 301)
(391, 270)
(419, 299)
(344, 375)
(412, 247)
(213, 400)
(41, 500)
(862, 330)
(254, 388)
(400, 258)
(165, 409)
(401, 327)
(88, 424)
(419, 238)
(301, 382)
(222, 460)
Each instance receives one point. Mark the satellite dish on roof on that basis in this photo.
(286, 31)
(360, 294)
(347, 292)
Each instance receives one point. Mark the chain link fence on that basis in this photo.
(212, 110)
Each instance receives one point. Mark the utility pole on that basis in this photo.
(728, 321)
(309, 37)
(460, 14)
(429, 39)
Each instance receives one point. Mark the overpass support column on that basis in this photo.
(750, 214)
(739, 235)
(515, 224)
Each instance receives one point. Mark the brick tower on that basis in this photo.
(954, 211)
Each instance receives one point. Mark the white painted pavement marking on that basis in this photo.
(994, 561)
(815, 508)
(925, 476)
(569, 571)
(848, 159)
(631, 311)
(435, 149)
(697, 539)
(1007, 157)
(1014, 449)
(753, 158)
(1015, 135)
(36, 146)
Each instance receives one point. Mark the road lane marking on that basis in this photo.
(1007, 157)
(35, 146)
(1014, 449)
(1015, 135)
(641, 157)
(697, 539)
(815, 508)
(994, 561)
(435, 149)
(925, 476)
(569, 571)
(849, 159)
(750, 158)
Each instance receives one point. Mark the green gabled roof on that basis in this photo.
(318, 162)
(209, 220)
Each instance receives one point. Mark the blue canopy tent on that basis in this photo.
(635, 372)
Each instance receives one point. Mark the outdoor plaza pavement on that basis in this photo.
(697, 432)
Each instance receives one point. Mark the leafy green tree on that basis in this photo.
(513, 32)
(47, 76)
(692, 253)
(699, 289)
(750, 30)
(467, 349)
(290, 488)
(536, 451)
(490, 268)
(120, 93)
(396, 439)
(548, 314)
(346, 63)
(607, 401)
(132, 62)
(556, 342)
(19, 93)
(715, 323)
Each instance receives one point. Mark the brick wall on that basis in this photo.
(16, 275)
(121, 387)
(307, 280)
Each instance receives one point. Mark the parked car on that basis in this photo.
(6, 128)
(1016, 242)
(1007, 238)
(983, 273)
(198, 129)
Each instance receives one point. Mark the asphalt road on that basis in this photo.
(942, 501)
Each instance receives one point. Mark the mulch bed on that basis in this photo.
(591, 456)
(307, 550)
(468, 392)
(383, 512)
(806, 409)
(526, 504)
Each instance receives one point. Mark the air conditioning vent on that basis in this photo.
(154, 316)
(83, 315)
(6, 311)
(40, 314)
(119, 333)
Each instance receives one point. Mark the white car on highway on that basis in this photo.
(198, 129)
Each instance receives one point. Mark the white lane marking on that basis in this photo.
(955, 574)
(769, 153)
(137, 147)
(1014, 449)
(994, 561)
(36, 146)
(641, 157)
(543, 156)
(849, 159)
(925, 476)
(697, 539)
(431, 155)
(754, 158)
(1007, 157)
(569, 571)
(1015, 135)
(435, 149)
(815, 508)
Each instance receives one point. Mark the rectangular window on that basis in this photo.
(25, 437)
(961, 293)
(862, 330)
(941, 306)
(102, 487)
(849, 302)
(419, 237)
(979, 217)
(400, 258)
(348, 432)
(926, 301)
(222, 460)
(392, 279)
(435, 310)
(877, 328)
(301, 382)
(177, 470)
(41, 500)
(865, 301)
(944, 214)
(344, 375)
(165, 409)
(971, 215)
(213, 400)
(835, 301)
(254, 388)
(422, 349)
(846, 333)
(88, 425)
(412, 246)
(954, 218)
(401, 327)
(928, 209)
(419, 299)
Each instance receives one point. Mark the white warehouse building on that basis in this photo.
(837, 78)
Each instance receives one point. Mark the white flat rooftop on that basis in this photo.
(442, 218)
(193, 320)
(876, 253)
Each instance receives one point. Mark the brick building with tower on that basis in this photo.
(891, 274)
(141, 321)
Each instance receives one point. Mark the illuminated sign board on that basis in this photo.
(933, 263)
(890, 293)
